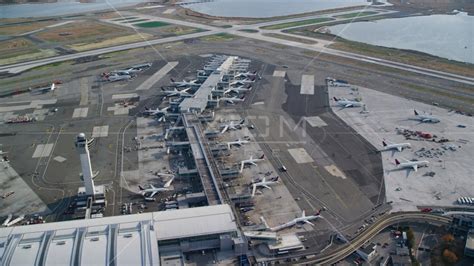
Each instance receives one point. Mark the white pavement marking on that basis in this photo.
(300, 155)
(279, 73)
(315, 121)
(157, 76)
(100, 131)
(169, 11)
(84, 91)
(59, 159)
(307, 84)
(80, 112)
(333, 170)
(124, 96)
(43, 150)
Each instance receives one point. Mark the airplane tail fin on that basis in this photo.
(140, 187)
(397, 161)
(168, 184)
(335, 99)
(416, 113)
(242, 121)
(263, 156)
(53, 86)
(172, 80)
(384, 143)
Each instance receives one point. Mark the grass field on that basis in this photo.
(16, 47)
(179, 30)
(35, 54)
(297, 23)
(290, 38)
(357, 14)
(249, 30)
(82, 32)
(24, 27)
(218, 37)
(79, 47)
(151, 24)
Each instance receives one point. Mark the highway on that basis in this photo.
(236, 30)
(347, 249)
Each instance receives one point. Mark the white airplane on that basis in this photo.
(184, 83)
(176, 92)
(153, 190)
(156, 111)
(247, 74)
(232, 125)
(344, 103)
(242, 82)
(232, 100)
(9, 218)
(298, 220)
(251, 161)
(238, 142)
(411, 164)
(47, 89)
(238, 89)
(425, 118)
(264, 184)
(395, 146)
(113, 78)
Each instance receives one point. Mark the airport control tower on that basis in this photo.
(83, 149)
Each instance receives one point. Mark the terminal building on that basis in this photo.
(138, 239)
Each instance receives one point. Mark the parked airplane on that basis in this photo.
(251, 161)
(46, 89)
(344, 103)
(184, 83)
(232, 100)
(425, 118)
(395, 146)
(238, 89)
(242, 82)
(176, 92)
(264, 184)
(156, 111)
(232, 125)
(247, 74)
(113, 78)
(238, 142)
(9, 218)
(151, 192)
(411, 164)
(298, 220)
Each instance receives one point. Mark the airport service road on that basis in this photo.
(17, 68)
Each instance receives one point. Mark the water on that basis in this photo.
(62, 7)
(267, 8)
(447, 36)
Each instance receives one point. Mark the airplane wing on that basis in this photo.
(153, 187)
(161, 118)
(348, 105)
(254, 188)
(266, 186)
(168, 184)
(241, 166)
(153, 194)
(308, 222)
(399, 148)
(253, 163)
(225, 129)
(415, 167)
